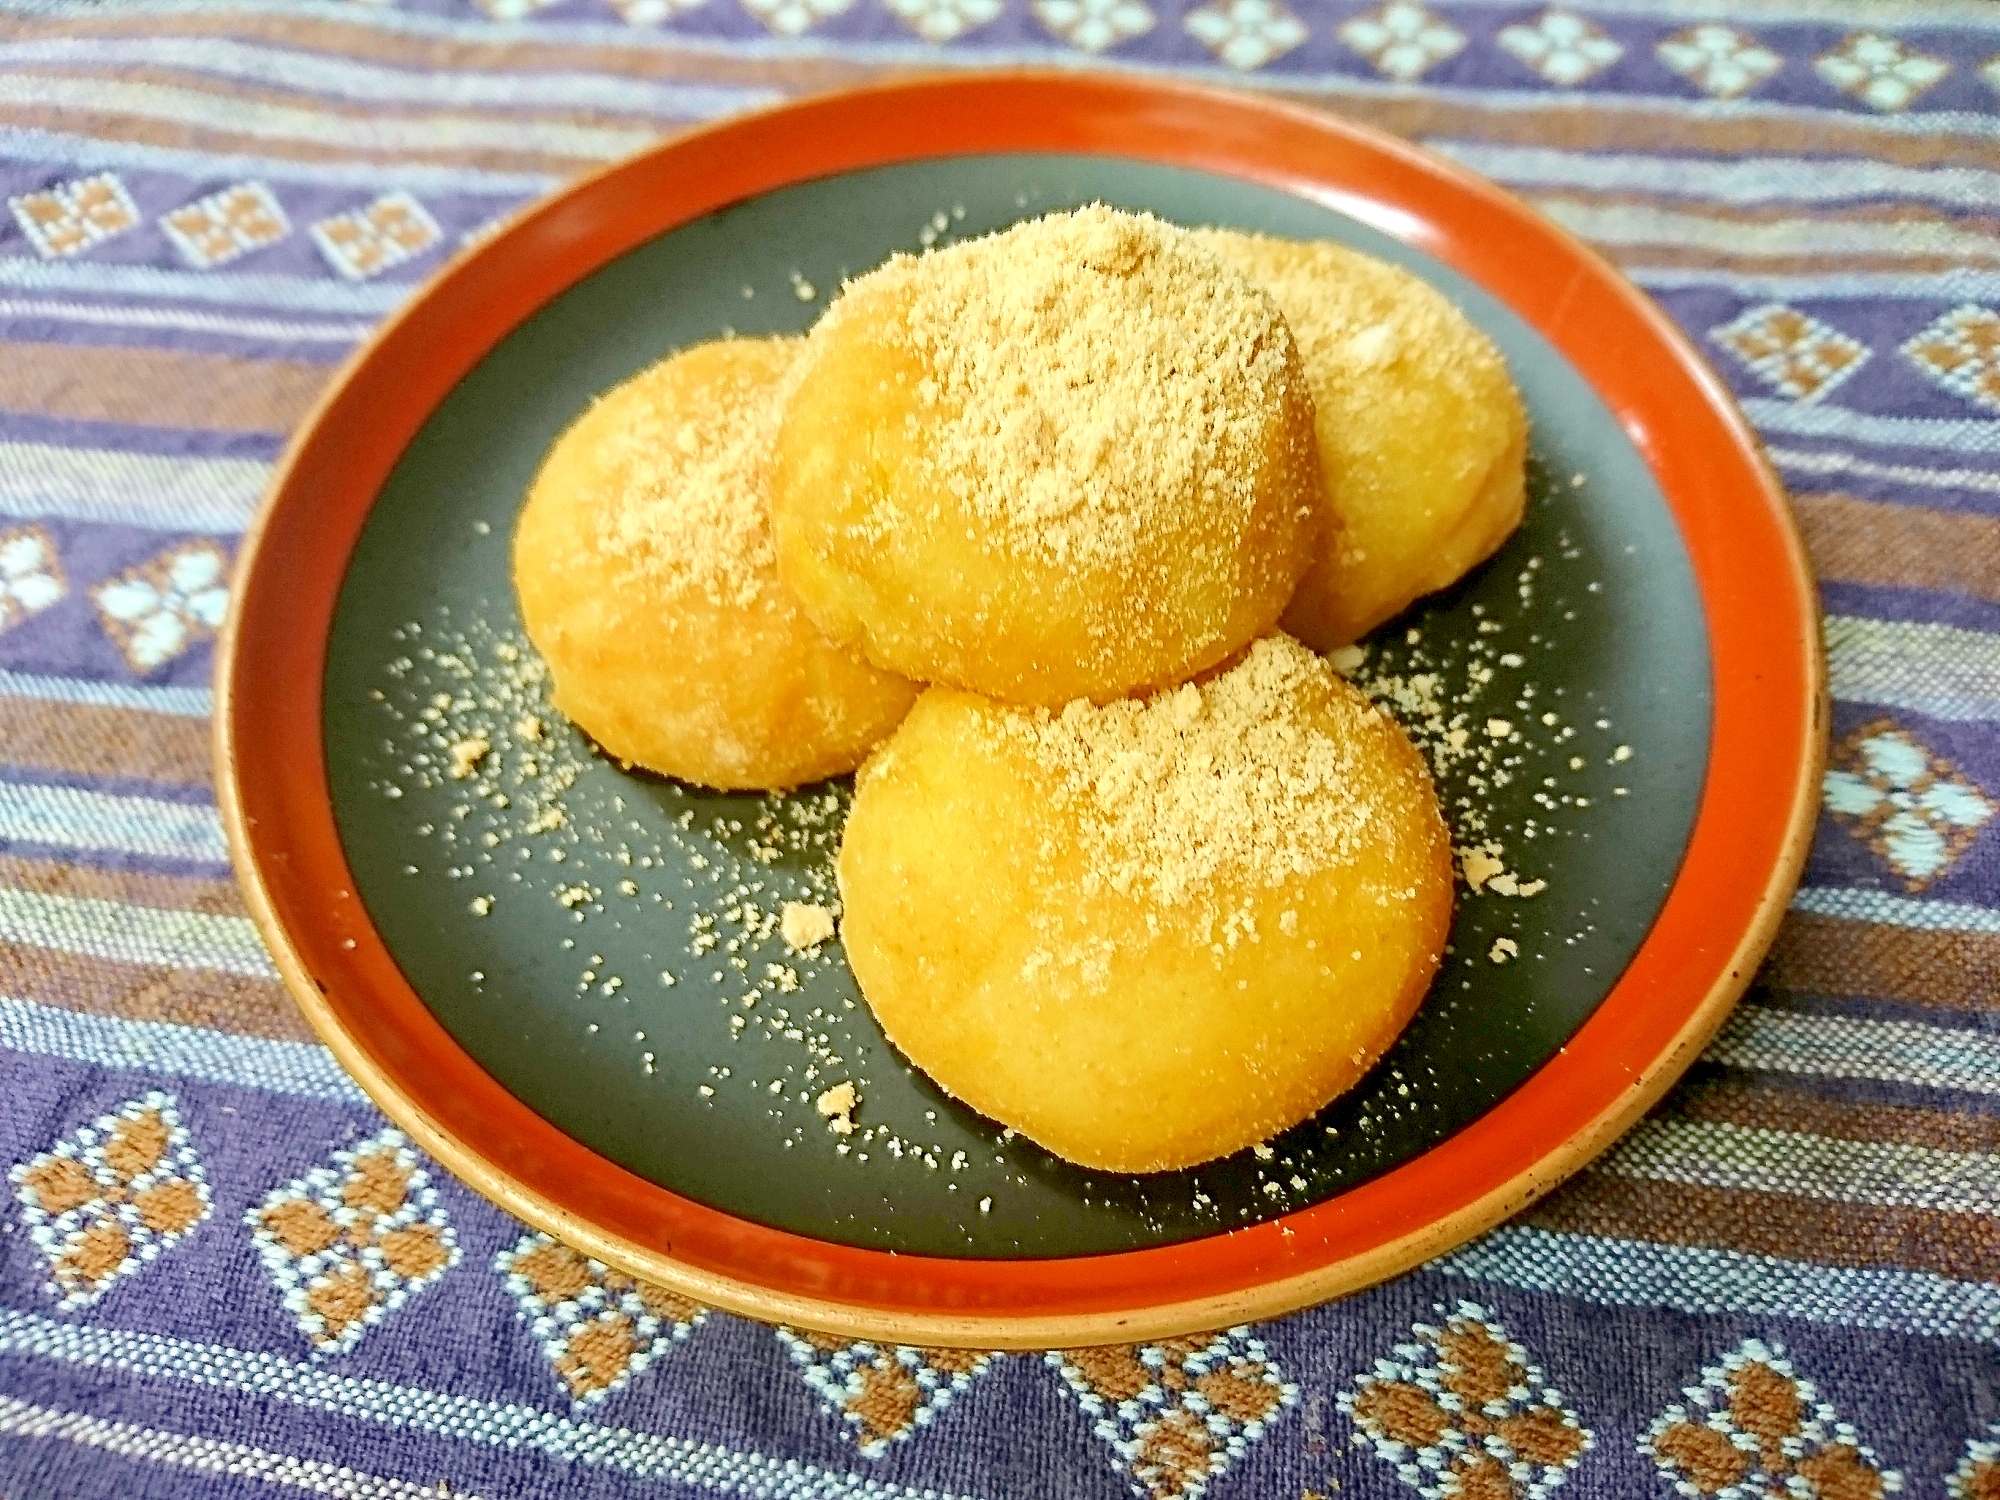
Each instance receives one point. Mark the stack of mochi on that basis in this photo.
(1043, 532)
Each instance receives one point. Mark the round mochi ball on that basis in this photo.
(647, 579)
(1422, 435)
(1074, 459)
(1154, 932)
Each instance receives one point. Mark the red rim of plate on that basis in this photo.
(1743, 859)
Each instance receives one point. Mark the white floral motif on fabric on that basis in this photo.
(1246, 34)
(1402, 39)
(1094, 25)
(1721, 61)
(1914, 809)
(31, 575)
(1881, 71)
(1564, 48)
(159, 609)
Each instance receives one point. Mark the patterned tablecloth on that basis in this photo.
(1784, 1283)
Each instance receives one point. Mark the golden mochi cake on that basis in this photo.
(1422, 435)
(1157, 931)
(646, 577)
(1074, 459)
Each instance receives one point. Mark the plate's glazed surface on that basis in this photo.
(1597, 614)
(542, 966)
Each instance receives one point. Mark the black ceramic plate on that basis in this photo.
(542, 952)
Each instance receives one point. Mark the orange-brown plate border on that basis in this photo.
(1743, 858)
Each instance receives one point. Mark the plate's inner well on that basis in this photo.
(606, 942)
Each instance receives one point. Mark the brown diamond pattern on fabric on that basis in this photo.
(349, 1244)
(72, 217)
(599, 1328)
(1913, 808)
(1977, 1476)
(376, 237)
(226, 225)
(1792, 352)
(1960, 352)
(109, 1200)
(1753, 1430)
(1460, 1412)
(882, 1393)
(1177, 1414)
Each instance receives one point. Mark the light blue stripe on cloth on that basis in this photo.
(345, 78)
(205, 1455)
(181, 702)
(1758, 1038)
(301, 1069)
(294, 293)
(1622, 223)
(1806, 461)
(385, 133)
(976, 53)
(1968, 14)
(1940, 670)
(1799, 1164)
(1895, 911)
(1959, 284)
(1748, 179)
(150, 935)
(1795, 419)
(160, 491)
(185, 321)
(21, 143)
(67, 817)
(1699, 1279)
(492, 1424)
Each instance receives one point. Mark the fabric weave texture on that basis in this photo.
(222, 1274)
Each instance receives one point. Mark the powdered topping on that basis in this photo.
(805, 925)
(837, 1105)
(1092, 375)
(685, 475)
(1238, 779)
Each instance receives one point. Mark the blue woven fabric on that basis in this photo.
(1784, 1283)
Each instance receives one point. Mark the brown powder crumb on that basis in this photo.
(1486, 873)
(805, 925)
(1091, 375)
(1503, 949)
(467, 754)
(1479, 867)
(1219, 783)
(837, 1106)
(683, 477)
